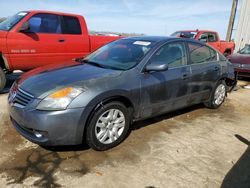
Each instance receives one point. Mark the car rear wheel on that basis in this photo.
(2, 79)
(108, 126)
(218, 95)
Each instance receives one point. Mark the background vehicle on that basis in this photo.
(31, 39)
(124, 81)
(241, 61)
(210, 37)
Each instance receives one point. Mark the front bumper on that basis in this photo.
(50, 128)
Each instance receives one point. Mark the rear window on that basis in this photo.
(71, 25)
(185, 34)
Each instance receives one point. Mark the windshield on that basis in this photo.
(10, 22)
(122, 54)
(245, 50)
(185, 34)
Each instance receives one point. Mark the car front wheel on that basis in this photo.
(108, 126)
(218, 96)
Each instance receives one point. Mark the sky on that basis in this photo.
(150, 17)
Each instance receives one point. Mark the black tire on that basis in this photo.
(212, 101)
(227, 53)
(91, 137)
(2, 79)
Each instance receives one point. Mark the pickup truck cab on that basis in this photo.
(31, 39)
(210, 37)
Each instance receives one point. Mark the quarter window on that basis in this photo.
(173, 54)
(45, 23)
(71, 25)
(200, 53)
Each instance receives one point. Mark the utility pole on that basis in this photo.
(231, 21)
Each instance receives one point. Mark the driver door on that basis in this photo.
(42, 44)
(163, 91)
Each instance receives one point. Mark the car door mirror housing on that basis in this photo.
(156, 67)
(25, 28)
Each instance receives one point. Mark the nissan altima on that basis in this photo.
(97, 99)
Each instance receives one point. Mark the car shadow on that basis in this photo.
(10, 79)
(153, 120)
(239, 175)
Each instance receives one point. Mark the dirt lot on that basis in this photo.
(194, 147)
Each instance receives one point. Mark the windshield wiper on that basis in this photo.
(93, 63)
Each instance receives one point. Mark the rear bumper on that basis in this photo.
(50, 128)
(242, 69)
(243, 73)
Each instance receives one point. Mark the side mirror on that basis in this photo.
(203, 40)
(25, 28)
(157, 67)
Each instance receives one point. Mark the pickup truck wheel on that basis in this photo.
(218, 95)
(226, 53)
(108, 127)
(2, 79)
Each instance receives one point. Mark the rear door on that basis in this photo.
(166, 90)
(42, 45)
(205, 70)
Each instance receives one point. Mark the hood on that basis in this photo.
(240, 58)
(43, 81)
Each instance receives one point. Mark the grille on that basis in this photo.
(20, 98)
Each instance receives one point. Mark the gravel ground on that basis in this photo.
(194, 147)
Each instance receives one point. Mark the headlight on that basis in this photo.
(60, 99)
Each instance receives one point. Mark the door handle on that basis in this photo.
(184, 76)
(216, 68)
(61, 40)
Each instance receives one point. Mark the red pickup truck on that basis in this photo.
(31, 39)
(210, 37)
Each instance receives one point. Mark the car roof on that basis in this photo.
(51, 12)
(153, 38)
(203, 31)
(160, 39)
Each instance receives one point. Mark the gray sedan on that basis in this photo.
(96, 99)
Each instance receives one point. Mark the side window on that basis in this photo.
(201, 54)
(209, 37)
(212, 37)
(45, 23)
(71, 25)
(214, 55)
(174, 54)
(203, 37)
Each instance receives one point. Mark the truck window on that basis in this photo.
(201, 54)
(71, 25)
(209, 37)
(45, 23)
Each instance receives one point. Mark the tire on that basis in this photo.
(227, 53)
(218, 95)
(2, 79)
(103, 132)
